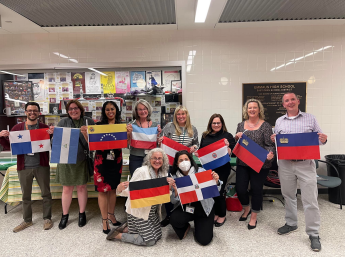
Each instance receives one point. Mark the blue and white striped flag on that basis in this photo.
(65, 145)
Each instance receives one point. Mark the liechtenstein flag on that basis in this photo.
(144, 138)
(196, 187)
(214, 155)
(250, 153)
(300, 146)
(65, 145)
(29, 141)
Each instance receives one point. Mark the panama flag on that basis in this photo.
(300, 146)
(170, 147)
(29, 141)
(250, 153)
(214, 155)
(144, 138)
(196, 187)
(107, 137)
(65, 145)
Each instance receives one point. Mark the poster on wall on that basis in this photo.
(135, 77)
(108, 82)
(78, 80)
(157, 75)
(24, 77)
(168, 76)
(17, 93)
(92, 83)
(38, 87)
(270, 95)
(122, 82)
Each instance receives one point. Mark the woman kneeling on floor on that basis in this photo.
(143, 225)
(201, 212)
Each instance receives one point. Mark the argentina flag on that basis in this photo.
(65, 145)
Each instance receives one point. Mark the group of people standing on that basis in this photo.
(143, 226)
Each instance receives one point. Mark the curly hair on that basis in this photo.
(148, 107)
(165, 166)
(261, 109)
(104, 118)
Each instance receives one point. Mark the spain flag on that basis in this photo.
(106, 137)
(149, 192)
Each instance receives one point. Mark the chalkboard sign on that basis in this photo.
(270, 95)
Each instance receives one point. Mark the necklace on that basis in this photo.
(252, 126)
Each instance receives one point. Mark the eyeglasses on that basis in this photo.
(73, 109)
(216, 123)
(31, 111)
(157, 159)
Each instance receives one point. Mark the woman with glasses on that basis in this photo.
(71, 175)
(142, 226)
(216, 130)
(142, 118)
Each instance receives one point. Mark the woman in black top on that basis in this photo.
(216, 130)
(108, 169)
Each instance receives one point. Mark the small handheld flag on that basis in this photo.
(29, 141)
(250, 153)
(144, 138)
(214, 155)
(196, 187)
(170, 147)
(300, 146)
(149, 192)
(107, 137)
(65, 145)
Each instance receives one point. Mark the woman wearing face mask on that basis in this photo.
(203, 214)
(216, 130)
(182, 131)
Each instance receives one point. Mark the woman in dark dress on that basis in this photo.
(216, 130)
(108, 169)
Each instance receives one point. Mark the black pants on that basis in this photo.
(203, 224)
(134, 163)
(244, 175)
(219, 201)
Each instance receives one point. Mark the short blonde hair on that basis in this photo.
(261, 109)
(188, 124)
(148, 107)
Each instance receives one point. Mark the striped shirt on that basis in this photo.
(169, 131)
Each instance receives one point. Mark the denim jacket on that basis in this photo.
(207, 204)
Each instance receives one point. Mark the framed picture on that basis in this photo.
(176, 85)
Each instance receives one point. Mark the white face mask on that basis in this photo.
(184, 166)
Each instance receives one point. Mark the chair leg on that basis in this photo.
(341, 203)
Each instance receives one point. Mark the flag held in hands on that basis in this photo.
(214, 155)
(170, 147)
(106, 137)
(65, 145)
(144, 138)
(196, 187)
(29, 141)
(149, 192)
(300, 146)
(250, 153)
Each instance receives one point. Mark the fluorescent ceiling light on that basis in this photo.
(65, 57)
(202, 10)
(73, 60)
(98, 71)
(300, 58)
(12, 73)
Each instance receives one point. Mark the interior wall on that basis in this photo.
(233, 56)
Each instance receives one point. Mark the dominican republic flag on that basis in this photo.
(250, 153)
(170, 147)
(149, 192)
(65, 145)
(144, 138)
(300, 146)
(196, 187)
(106, 137)
(214, 155)
(29, 141)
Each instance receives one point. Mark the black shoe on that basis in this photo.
(217, 224)
(108, 229)
(245, 218)
(165, 222)
(252, 227)
(82, 219)
(117, 223)
(63, 221)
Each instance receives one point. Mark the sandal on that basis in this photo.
(117, 223)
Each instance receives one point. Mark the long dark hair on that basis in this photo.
(209, 126)
(175, 167)
(104, 118)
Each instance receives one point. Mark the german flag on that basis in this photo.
(149, 192)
